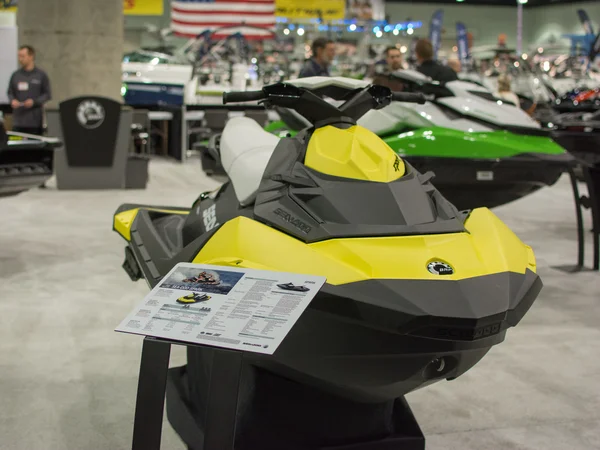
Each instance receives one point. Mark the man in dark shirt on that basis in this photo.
(323, 52)
(427, 66)
(383, 70)
(28, 91)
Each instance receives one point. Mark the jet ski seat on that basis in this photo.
(245, 150)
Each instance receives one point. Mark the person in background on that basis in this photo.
(504, 91)
(427, 65)
(28, 91)
(323, 52)
(383, 69)
(393, 59)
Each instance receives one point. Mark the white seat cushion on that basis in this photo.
(245, 152)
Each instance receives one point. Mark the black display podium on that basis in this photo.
(96, 133)
(223, 406)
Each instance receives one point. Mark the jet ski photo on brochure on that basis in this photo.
(193, 297)
(291, 287)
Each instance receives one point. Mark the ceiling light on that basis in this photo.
(410, 31)
(286, 31)
(403, 49)
(353, 27)
(300, 31)
(396, 31)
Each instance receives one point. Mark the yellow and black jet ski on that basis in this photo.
(193, 297)
(417, 291)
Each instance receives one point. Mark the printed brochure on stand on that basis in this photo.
(241, 309)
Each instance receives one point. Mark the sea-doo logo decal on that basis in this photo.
(90, 114)
(293, 220)
(440, 268)
(397, 164)
(210, 217)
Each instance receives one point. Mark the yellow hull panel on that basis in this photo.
(488, 247)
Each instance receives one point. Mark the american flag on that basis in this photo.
(255, 19)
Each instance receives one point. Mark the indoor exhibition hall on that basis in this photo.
(300, 225)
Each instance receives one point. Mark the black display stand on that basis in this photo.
(96, 132)
(591, 202)
(90, 126)
(222, 406)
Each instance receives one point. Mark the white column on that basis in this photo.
(79, 43)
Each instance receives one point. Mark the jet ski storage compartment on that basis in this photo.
(96, 134)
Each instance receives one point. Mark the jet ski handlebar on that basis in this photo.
(409, 97)
(244, 96)
(311, 104)
(249, 96)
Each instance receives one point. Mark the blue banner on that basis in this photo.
(435, 31)
(585, 21)
(462, 42)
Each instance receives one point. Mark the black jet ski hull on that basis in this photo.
(24, 167)
(471, 183)
(424, 350)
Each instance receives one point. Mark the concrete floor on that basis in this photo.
(68, 381)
